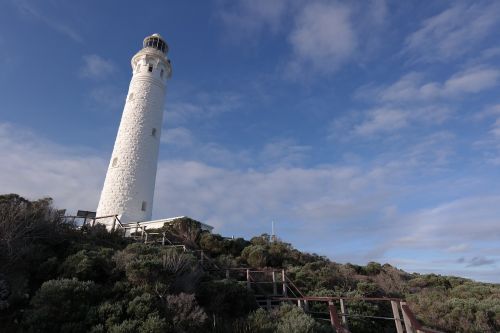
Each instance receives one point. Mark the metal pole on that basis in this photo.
(397, 318)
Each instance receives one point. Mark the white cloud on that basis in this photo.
(179, 136)
(489, 111)
(495, 129)
(382, 120)
(323, 38)
(458, 248)
(34, 167)
(250, 17)
(472, 80)
(107, 97)
(201, 106)
(468, 219)
(232, 197)
(283, 152)
(413, 87)
(96, 67)
(391, 119)
(454, 32)
(322, 34)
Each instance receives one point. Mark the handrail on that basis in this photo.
(293, 285)
(414, 322)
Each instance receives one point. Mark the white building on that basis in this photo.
(130, 180)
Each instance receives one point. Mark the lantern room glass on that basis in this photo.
(156, 43)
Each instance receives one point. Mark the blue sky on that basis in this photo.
(367, 130)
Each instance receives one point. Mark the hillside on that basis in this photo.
(57, 278)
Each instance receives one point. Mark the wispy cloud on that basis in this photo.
(453, 32)
(96, 67)
(388, 119)
(28, 8)
(382, 120)
(414, 87)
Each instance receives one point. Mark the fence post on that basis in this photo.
(397, 317)
(343, 309)
(408, 327)
(227, 274)
(283, 277)
(275, 287)
(248, 279)
(163, 240)
(334, 319)
(306, 305)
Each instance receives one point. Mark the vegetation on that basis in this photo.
(58, 278)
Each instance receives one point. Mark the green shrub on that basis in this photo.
(184, 313)
(62, 305)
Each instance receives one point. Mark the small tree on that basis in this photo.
(62, 306)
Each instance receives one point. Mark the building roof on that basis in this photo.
(154, 224)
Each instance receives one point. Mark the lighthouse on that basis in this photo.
(130, 180)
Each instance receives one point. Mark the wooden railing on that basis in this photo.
(285, 291)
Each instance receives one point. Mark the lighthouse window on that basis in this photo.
(131, 96)
(115, 162)
(150, 69)
(153, 132)
(161, 73)
(143, 206)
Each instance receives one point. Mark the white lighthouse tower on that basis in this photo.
(130, 180)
